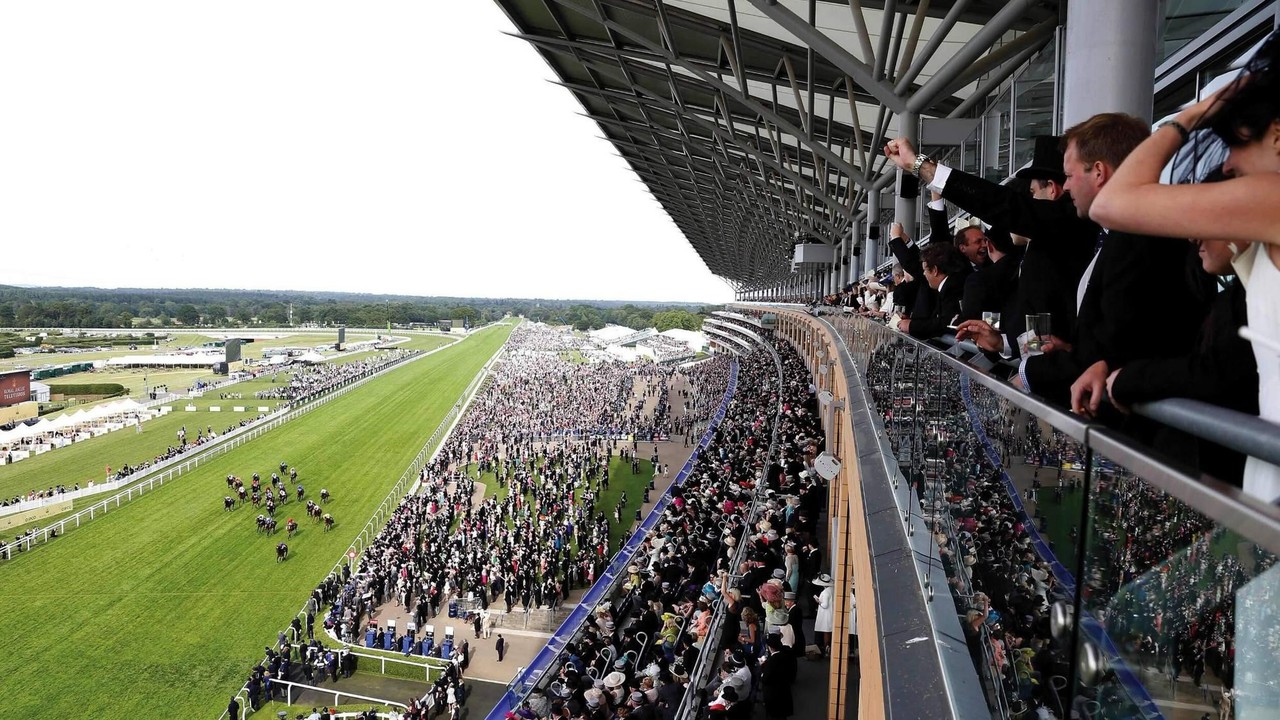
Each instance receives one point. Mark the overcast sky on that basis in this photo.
(393, 146)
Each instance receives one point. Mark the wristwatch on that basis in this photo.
(921, 159)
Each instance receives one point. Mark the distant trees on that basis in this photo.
(676, 319)
(127, 308)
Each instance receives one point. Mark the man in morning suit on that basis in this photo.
(1132, 300)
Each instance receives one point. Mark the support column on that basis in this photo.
(871, 251)
(904, 209)
(1110, 58)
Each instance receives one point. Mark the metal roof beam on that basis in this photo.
(865, 76)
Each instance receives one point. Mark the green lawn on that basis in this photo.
(620, 479)
(159, 609)
(87, 460)
(180, 379)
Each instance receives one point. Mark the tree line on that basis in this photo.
(146, 309)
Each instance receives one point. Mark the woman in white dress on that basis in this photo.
(1242, 210)
(823, 624)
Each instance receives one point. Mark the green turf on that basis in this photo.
(620, 479)
(87, 460)
(159, 609)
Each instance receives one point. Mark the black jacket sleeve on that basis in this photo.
(1222, 370)
(1019, 213)
(908, 256)
(939, 227)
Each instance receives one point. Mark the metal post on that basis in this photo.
(871, 250)
(1110, 54)
(904, 209)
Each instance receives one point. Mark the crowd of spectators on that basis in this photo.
(1089, 247)
(543, 534)
(318, 379)
(635, 654)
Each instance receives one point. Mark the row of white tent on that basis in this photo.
(66, 421)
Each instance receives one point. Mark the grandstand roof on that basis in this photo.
(746, 135)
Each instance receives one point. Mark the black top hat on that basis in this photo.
(1046, 162)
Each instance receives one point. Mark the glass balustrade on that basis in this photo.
(1084, 572)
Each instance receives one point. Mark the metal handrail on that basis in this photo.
(1234, 430)
(1223, 504)
(1226, 506)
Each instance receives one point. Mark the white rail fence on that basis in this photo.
(176, 467)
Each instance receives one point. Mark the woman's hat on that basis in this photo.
(823, 580)
(614, 679)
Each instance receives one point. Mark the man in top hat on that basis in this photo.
(1050, 270)
(796, 620)
(1132, 300)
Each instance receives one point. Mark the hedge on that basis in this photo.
(106, 389)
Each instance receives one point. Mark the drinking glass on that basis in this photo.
(1039, 327)
(992, 319)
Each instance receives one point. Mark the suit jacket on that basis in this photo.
(946, 306)
(777, 674)
(939, 226)
(1139, 304)
(991, 288)
(908, 256)
(1061, 246)
(1221, 370)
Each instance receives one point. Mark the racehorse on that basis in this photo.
(282, 552)
(271, 506)
(328, 522)
(242, 493)
(262, 523)
(275, 479)
(291, 527)
(257, 481)
(293, 474)
(282, 495)
(284, 466)
(228, 503)
(231, 480)
(301, 492)
(271, 526)
(257, 499)
(324, 495)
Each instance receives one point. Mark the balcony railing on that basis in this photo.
(1120, 584)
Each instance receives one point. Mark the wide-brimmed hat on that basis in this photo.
(1046, 160)
(823, 580)
(614, 679)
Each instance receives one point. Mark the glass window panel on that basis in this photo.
(1179, 607)
(1033, 104)
(1185, 20)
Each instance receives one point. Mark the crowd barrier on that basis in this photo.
(531, 675)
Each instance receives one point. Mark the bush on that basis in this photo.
(75, 390)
